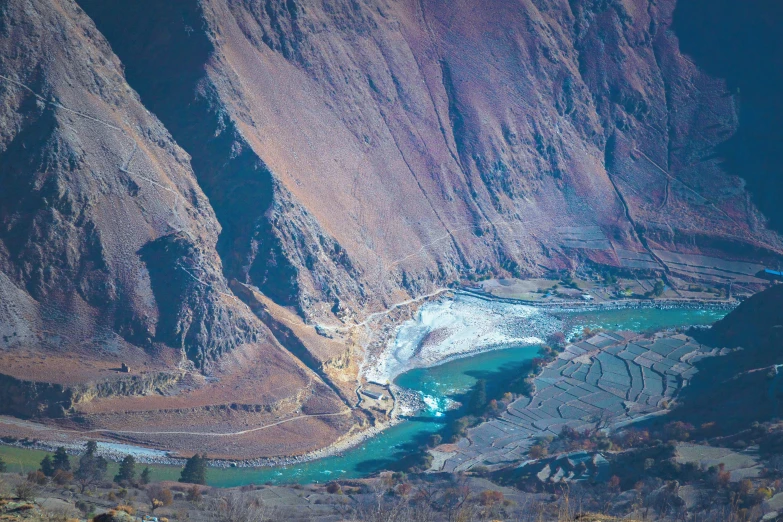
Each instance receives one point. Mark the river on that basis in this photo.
(438, 384)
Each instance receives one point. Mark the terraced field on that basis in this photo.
(609, 378)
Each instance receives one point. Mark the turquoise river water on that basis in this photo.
(437, 385)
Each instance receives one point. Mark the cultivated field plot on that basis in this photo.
(639, 260)
(590, 237)
(705, 267)
(610, 378)
(740, 464)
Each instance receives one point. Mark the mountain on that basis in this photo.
(108, 252)
(383, 148)
(740, 42)
(744, 386)
(190, 187)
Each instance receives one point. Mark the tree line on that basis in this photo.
(91, 469)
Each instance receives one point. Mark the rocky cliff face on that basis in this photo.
(28, 399)
(107, 242)
(740, 41)
(339, 156)
(391, 147)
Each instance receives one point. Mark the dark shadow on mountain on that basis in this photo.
(744, 386)
(741, 42)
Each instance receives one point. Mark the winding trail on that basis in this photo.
(229, 434)
(670, 178)
(196, 433)
(125, 168)
(371, 317)
(461, 229)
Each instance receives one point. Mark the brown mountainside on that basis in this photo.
(330, 157)
(107, 245)
(394, 146)
(105, 231)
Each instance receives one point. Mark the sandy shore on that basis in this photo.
(458, 327)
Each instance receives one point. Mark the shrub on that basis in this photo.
(537, 451)
(159, 496)
(556, 340)
(678, 430)
(763, 494)
(37, 477)
(127, 509)
(404, 490)
(490, 497)
(194, 494)
(166, 497)
(459, 427)
(333, 487)
(62, 477)
(25, 490)
(480, 470)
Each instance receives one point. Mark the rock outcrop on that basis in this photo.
(106, 236)
(28, 399)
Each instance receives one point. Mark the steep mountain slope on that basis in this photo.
(327, 159)
(107, 248)
(745, 386)
(740, 41)
(103, 225)
(386, 147)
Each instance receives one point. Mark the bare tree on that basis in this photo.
(159, 496)
(239, 507)
(26, 490)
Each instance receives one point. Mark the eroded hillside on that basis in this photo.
(287, 164)
(391, 147)
(107, 250)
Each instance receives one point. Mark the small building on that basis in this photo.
(374, 395)
(771, 275)
(587, 297)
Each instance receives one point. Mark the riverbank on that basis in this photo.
(617, 304)
(366, 451)
(471, 323)
(115, 452)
